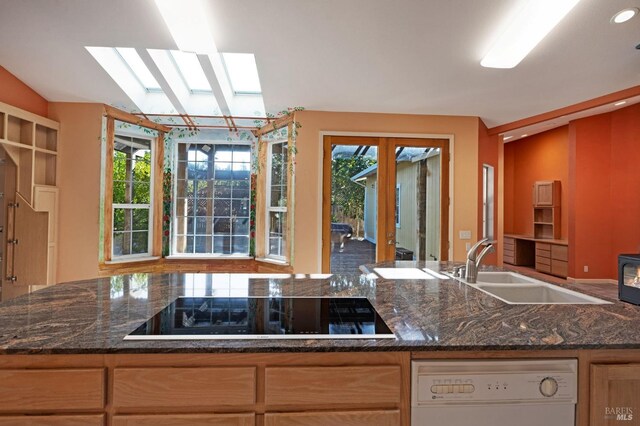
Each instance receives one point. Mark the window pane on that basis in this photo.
(120, 247)
(279, 174)
(277, 235)
(119, 192)
(121, 219)
(212, 199)
(140, 242)
(141, 193)
(140, 219)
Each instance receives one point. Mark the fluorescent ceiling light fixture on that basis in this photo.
(138, 68)
(188, 25)
(506, 138)
(242, 72)
(620, 103)
(529, 26)
(191, 71)
(624, 15)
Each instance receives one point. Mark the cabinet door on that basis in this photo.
(244, 419)
(545, 193)
(614, 395)
(343, 418)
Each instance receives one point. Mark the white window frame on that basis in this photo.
(174, 190)
(149, 207)
(268, 208)
(488, 200)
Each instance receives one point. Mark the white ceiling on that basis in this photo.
(402, 56)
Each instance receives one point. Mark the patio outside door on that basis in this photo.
(384, 199)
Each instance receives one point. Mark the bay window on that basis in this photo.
(277, 175)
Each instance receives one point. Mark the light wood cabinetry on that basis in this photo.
(30, 143)
(77, 420)
(346, 418)
(349, 389)
(546, 193)
(546, 209)
(518, 251)
(206, 388)
(246, 419)
(614, 394)
(552, 258)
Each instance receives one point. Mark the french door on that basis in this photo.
(384, 199)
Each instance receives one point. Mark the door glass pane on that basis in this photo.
(417, 209)
(354, 212)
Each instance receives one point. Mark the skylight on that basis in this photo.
(242, 72)
(191, 71)
(138, 68)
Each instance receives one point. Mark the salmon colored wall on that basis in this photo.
(308, 190)
(14, 92)
(79, 157)
(539, 157)
(488, 154)
(605, 206)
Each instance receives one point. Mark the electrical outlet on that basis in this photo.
(465, 235)
(468, 246)
(586, 268)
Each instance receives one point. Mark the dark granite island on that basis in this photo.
(64, 361)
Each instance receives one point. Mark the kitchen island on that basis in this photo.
(63, 358)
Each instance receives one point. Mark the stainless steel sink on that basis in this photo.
(514, 288)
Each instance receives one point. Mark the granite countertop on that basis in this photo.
(426, 315)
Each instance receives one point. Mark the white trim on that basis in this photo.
(397, 206)
(132, 258)
(449, 136)
(269, 209)
(209, 256)
(274, 260)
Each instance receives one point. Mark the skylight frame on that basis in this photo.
(231, 78)
(141, 66)
(181, 72)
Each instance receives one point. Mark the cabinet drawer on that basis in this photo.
(543, 268)
(245, 419)
(542, 253)
(52, 390)
(543, 246)
(508, 259)
(183, 387)
(543, 260)
(89, 420)
(559, 267)
(332, 386)
(508, 252)
(560, 252)
(342, 418)
(509, 242)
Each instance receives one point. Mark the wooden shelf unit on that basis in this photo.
(31, 142)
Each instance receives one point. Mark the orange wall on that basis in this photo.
(14, 92)
(605, 205)
(488, 154)
(79, 159)
(308, 190)
(539, 157)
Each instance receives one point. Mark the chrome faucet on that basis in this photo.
(474, 259)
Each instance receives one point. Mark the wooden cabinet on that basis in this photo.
(74, 420)
(244, 419)
(30, 145)
(519, 252)
(546, 193)
(344, 418)
(614, 394)
(206, 388)
(552, 258)
(53, 390)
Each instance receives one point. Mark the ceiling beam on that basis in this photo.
(214, 82)
(120, 115)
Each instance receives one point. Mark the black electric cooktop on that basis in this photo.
(195, 318)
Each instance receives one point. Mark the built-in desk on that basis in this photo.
(546, 255)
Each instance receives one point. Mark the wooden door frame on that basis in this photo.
(386, 204)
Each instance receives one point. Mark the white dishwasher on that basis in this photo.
(494, 393)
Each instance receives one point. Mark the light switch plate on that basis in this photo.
(465, 235)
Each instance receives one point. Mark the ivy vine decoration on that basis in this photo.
(282, 131)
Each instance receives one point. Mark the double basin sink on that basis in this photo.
(514, 288)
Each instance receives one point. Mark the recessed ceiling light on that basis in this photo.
(188, 25)
(529, 26)
(620, 103)
(524, 136)
(506, 138)
(624, 15)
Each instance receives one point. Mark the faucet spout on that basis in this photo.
(474, 260)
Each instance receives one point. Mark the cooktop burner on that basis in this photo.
(195, 318)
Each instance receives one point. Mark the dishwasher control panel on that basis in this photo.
(437, 382)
